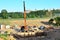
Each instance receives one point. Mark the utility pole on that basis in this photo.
(24, 16)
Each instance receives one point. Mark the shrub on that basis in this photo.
(57, 19)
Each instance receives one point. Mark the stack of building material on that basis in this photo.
(7, 26)
(3, 27)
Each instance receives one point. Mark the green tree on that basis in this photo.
(4, 14)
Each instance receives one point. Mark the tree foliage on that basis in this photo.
(4, 14)
(33, 14)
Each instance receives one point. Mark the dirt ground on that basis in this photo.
(1, 39)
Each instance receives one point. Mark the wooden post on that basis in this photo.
(24, 15)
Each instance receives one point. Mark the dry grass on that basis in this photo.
(29, 22)
(20, 22)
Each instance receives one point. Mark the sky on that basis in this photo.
(17, 5)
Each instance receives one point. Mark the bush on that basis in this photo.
(51, 21)
(57, 19)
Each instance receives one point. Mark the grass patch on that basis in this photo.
(4, 36)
